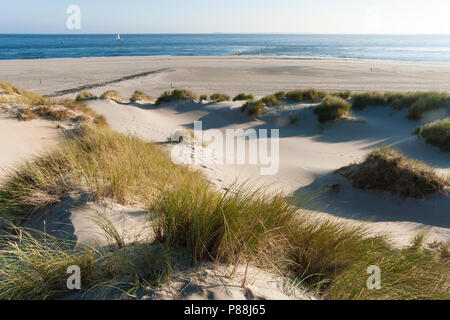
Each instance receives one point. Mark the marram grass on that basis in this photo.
(436, 133)
(242, 225)
(332, 108)
(140, 96)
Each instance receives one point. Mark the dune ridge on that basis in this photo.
(310, 153)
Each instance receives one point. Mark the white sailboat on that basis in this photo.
(118, 37)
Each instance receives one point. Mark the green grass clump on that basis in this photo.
(323, 250)
(342, 94)
(57, 114)
(219, 97)
(164, 98)
(111, 95)
(312, 95)
(437, 134)
(184, 94)
(140, 96)
(295, 95)
(427, 102)
(281, 95)
(253, 108)
(178, 94)
(10, 93)
(204, 97)
(417, 103)
(243, 97)
(85, 95)
(332, 108)
(362, 100)
(270, 100)
(407, 274)
(221, 227)
(386, 169)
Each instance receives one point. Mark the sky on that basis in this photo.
(229, 16)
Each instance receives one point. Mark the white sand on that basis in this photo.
(22, 140)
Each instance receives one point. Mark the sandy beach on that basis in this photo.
(230, 75)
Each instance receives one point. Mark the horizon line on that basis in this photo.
(237, 33)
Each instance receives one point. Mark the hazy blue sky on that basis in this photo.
(234, 16)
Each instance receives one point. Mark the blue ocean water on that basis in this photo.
(427, 48)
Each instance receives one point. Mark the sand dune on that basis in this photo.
(309, 155)
(22, 140)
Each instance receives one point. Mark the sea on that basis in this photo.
(423, 48)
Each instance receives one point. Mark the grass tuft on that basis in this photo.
(111, 95)
(177, 94)
(270, 100)
(57, 114)
(10, 93)
(418, 242)
(436, 133)
(362, 100)
(219, 97)
(342, 94)
(243, 97)
(417, 103)
(332, 108)
(33, 266)
(140, 96)
(312, 95)
(26, 114)
(253, 108)
(281, 95)
(386, 169)
(220, 227)
(85, 95)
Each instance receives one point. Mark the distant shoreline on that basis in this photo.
(231, 57)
